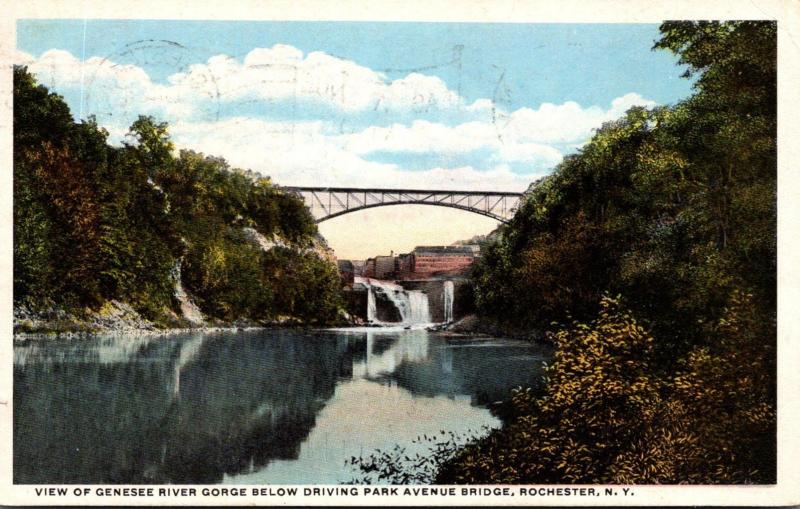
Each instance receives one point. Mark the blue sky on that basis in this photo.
(426, 105)
(586, 63)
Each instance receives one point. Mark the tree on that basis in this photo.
(94, 222)
(673, 209)
(600, 395)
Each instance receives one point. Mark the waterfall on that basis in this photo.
(411, 304)
(418, 308)
(448, 301)
(372, 307)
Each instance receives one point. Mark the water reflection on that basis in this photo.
(274, 406)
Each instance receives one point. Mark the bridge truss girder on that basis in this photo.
(329, 202)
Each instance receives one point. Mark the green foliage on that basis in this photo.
(224, 273)
(93, 222)
(675, 209)
(290, 271)
(234, 279)
(230, 276)
(57, 233)
(717, 423)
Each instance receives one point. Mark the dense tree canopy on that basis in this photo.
(674, 210)
(94, 222)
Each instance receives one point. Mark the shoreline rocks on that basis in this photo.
(119, 318)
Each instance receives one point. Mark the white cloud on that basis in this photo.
(291, 153)
(283, 73)
(622, 104)
(534, 153)
(566, 123)
(481, 106)
(312, 152)
(525, 135)
(301, 154)
(423, 136)
(61, 68)
(118, 93)
(500, 178)
(115, 93)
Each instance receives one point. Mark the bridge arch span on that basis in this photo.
(329, 202)
(365, 207)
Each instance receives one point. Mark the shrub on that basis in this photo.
(607, 418)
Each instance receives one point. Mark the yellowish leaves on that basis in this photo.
(607, 418)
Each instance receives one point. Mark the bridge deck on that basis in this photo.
(404, 191)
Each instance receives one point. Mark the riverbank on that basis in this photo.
(473, 325)
(119, 318)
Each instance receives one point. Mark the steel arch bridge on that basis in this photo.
(329, 202)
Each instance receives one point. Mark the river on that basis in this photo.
(274, 406)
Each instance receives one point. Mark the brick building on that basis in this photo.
(380, 267)
(422, 263)
(431, 261)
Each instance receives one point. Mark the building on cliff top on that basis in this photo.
(426, 262)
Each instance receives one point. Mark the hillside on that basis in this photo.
(140, 225)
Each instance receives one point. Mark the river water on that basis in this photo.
(257, 407)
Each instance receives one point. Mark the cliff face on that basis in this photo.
(319, 245)
(323, 250)
(189, 311)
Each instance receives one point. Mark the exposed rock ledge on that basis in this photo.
(112, 316)
(115, 318)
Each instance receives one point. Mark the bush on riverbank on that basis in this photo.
(95, 223)
(607, 417)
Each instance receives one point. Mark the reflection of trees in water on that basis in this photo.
(236, 403)
(247, 402)
(70, 419)
(193, 409)
(486, 374)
